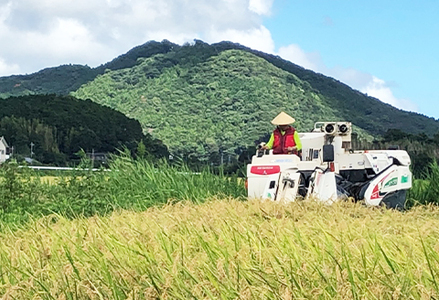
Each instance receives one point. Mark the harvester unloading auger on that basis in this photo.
(331, 171)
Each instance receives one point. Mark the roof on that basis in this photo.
(2, 139)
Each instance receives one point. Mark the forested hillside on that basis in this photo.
(58, 80)
(220, 104)
(67, 78)
(60, 126)
(206, 100)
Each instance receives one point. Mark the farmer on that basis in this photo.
(284, 139)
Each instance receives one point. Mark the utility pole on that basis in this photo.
(92, 157)
(31, 149)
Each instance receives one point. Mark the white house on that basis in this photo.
(4, 150)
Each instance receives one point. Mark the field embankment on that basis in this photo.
(227, 249)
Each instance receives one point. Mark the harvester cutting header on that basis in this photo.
(321, 165)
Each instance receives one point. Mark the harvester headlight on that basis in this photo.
(329, 128)
(343, 128)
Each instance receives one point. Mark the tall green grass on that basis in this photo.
(134, 184)
(227, 250)
(128, 184)
(426, 190)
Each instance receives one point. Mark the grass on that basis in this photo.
(226, 249)
(130, 184)
(426, 190)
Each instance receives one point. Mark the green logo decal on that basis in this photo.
(404, 179)
(391, 182)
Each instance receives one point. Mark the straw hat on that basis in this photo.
(283, 119)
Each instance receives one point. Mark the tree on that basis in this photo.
(141, 149)
(395, 135)
(59, 126)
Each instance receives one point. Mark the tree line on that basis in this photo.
(52, 129)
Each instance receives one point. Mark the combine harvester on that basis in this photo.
(330, 171)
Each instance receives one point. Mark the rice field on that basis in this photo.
(145, 231)
(226, 249)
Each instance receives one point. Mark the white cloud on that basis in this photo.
(35, 34)
(5, 10)
(261, 7)
(362, 81)
(66, 37)
(256, 38)
(379, 89)
(6, 69)
(296, 55)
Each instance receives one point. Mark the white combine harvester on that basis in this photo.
(331, 171)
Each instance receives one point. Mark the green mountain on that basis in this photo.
(68, 78)
(202, 99)
(59, 80)
(221, 103)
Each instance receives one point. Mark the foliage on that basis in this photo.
(127, 184)
(209, 108)
(59, 126)
(64, 79)
(426, 190)
(58, 80)
(203, 100)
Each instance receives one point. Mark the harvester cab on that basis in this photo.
(329, 170)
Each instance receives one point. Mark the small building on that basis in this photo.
(4, 150)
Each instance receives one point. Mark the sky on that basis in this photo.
(387, 49)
